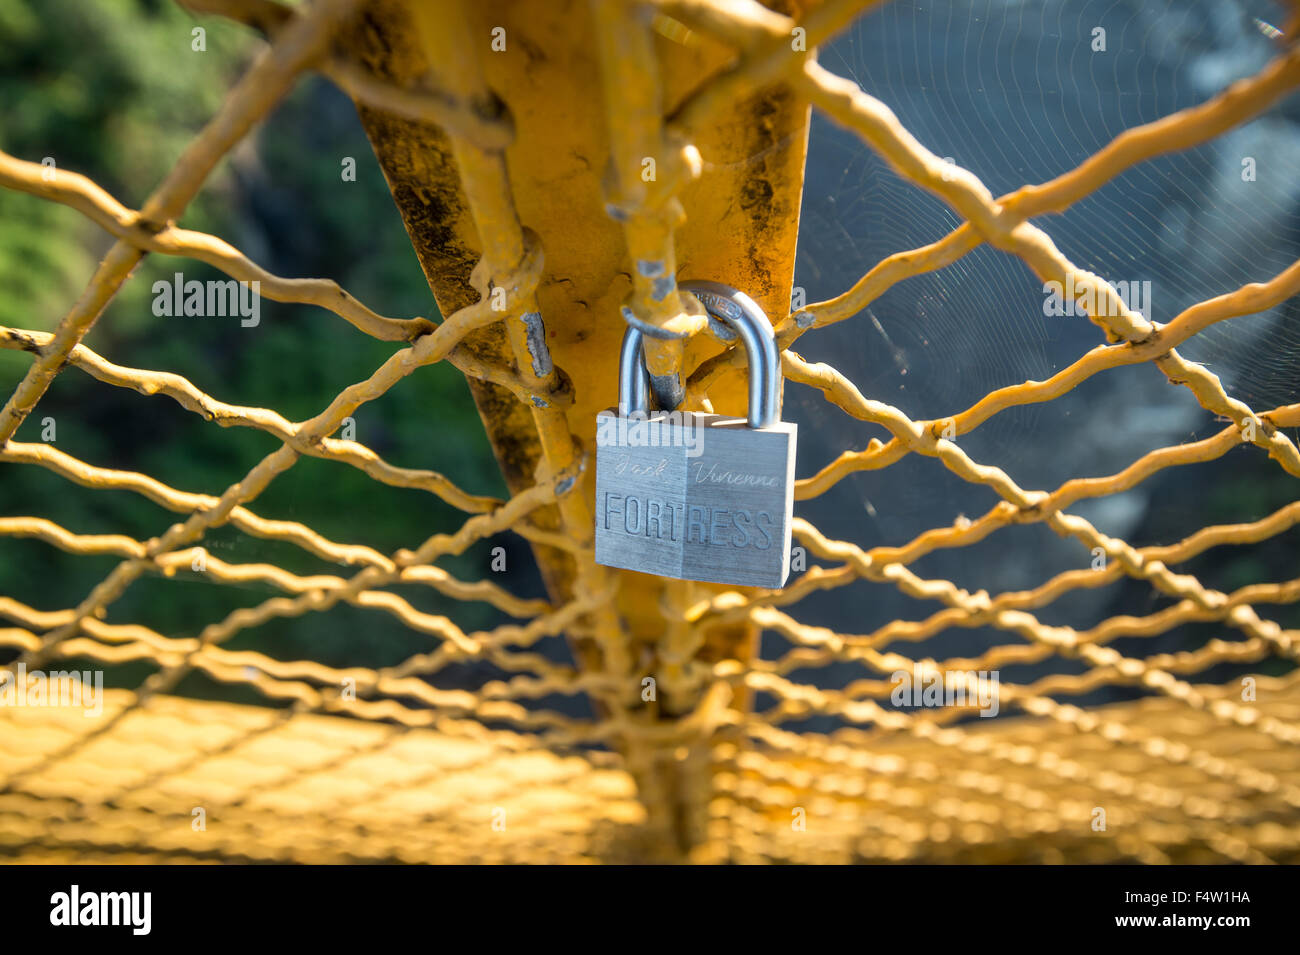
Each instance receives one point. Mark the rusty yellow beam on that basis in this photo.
(463, 203)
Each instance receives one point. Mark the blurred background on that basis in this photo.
(1013, 91)
(1020, 92)
(114, 91)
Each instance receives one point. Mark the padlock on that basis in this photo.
(699, 496)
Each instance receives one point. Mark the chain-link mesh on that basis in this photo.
(365, 764)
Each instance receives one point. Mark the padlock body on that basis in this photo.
(695, 497)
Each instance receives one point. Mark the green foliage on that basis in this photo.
(114, 91)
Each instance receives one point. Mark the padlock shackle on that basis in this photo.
(741, 314)
(633, 379)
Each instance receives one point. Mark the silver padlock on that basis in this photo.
(699, 496)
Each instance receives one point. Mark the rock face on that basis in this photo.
(1019, 93)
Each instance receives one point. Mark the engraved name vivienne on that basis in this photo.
(717, 475)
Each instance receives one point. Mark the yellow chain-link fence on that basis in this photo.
(364, 764)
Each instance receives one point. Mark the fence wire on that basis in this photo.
(365, 764)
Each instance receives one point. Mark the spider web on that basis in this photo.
(1016, 93)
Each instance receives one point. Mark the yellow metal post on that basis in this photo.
(587, 88)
